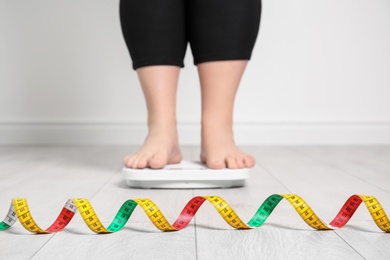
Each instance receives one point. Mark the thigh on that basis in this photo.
(154, 29)
(222, 29)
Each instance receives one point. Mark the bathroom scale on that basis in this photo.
(185, 175)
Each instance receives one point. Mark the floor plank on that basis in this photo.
(324, 176)
(139, 239)
(371, 165)
(136, 241)
(47, 177)
(323, 187)
(274, 239)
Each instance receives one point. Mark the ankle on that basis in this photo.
(217, 120)
(159, 124)
(216, 135)
(217, 126)
(164, 133)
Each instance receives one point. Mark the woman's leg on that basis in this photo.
(159, 85)
(219, 85)
(222, 35)
(154, 31)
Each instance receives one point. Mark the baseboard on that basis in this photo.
(261, 133)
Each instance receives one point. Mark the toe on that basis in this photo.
(231, 162)
(216, 164)
(249, 161)
(125, 160)
(141, 162)
(240, 162)
(129, 160)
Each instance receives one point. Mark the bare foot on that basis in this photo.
(218, 150)
(159, 149)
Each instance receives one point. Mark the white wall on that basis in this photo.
(319, 74)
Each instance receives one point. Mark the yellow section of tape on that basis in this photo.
(227, 212)
(155, 215)
(377, 212)
(24, 216)
(89, 216)
(305, 211)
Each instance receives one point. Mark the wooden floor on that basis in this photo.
(325, 176)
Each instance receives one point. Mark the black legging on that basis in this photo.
(157, 31)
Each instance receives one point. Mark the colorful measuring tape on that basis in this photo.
(19, 211)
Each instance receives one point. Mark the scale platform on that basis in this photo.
(185, 175)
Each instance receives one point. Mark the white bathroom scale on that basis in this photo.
(185, 175)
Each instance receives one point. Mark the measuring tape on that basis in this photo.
(20, 211)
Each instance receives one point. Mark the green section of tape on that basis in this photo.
(122, 216)
(4, 226)
(265, 210)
